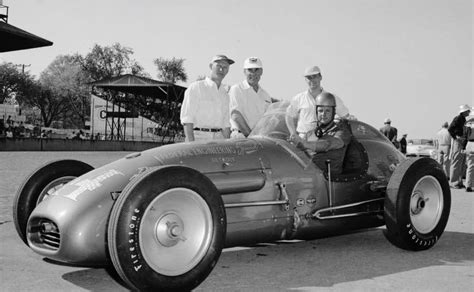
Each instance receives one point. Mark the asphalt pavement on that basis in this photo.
(362, 261)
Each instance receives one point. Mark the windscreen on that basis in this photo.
(273, 124)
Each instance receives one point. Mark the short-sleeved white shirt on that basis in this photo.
(303, 106)
(206, 106)
(252, 105)
(444, 137)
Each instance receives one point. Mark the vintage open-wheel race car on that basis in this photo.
(161, 217)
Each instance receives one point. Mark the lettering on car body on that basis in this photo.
(90, 184)
(240, 148)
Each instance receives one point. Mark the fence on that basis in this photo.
(37, 144)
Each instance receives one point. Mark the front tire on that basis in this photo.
(417, 205)
(167, 230)
(42, 183)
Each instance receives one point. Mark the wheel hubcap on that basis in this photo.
(426, 204)
(176, 231)
(169, 230)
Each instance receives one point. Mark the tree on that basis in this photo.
(51, 105)
(171, 70)
(12, 82)
(107, 62)
(67, 80)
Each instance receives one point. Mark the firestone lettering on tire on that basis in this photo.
(133, 242)
(419, 241)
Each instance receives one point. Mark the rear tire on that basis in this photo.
(167, 230)
(417, 205)
(41, 183)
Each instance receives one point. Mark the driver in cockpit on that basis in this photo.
(328, 135)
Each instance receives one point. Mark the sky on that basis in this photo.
(407, 60)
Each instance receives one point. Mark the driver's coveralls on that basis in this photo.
(338, 135)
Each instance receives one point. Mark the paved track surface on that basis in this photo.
(363, 261)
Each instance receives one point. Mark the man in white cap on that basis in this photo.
(300, 114)
(443, 145)
(248, 100)
(458, 143)
(205, 108)
(390, 132)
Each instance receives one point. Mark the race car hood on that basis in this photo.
(80, 209)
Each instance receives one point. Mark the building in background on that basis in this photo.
(130, 126)
(130, 107)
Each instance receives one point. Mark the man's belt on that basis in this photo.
(207, 129)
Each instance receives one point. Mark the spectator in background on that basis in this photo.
(443, 145)
(36, 131)
(469, 134)
(2, 127)
(9, 133)
(458, 144)
(403, 144)
(21, 130)
(27, 133)
(390, 132)
(78, 135)
(9, 121)
(43, 134)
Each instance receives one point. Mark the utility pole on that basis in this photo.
(23, 67)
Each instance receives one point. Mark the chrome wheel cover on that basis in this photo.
(52, 187)
(176, 231)
(426, 204)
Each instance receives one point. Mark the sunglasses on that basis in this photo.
(311, 77)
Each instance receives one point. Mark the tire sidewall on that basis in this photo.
(397, 209)
(27, 196)
(126, 229)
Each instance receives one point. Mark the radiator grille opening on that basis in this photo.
(45, 233)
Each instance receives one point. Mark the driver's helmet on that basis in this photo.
(325, 99)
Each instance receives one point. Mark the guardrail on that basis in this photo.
(37, 144)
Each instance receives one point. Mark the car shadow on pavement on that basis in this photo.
(97, 280)
(316, 263)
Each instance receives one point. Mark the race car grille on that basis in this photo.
(48, 234)
(51, 239)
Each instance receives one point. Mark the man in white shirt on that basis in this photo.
(248, 100)
(300, 114)
(443, 138)
(205, 108)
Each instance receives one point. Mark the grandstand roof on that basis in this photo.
(13, 38)
(138, 85)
